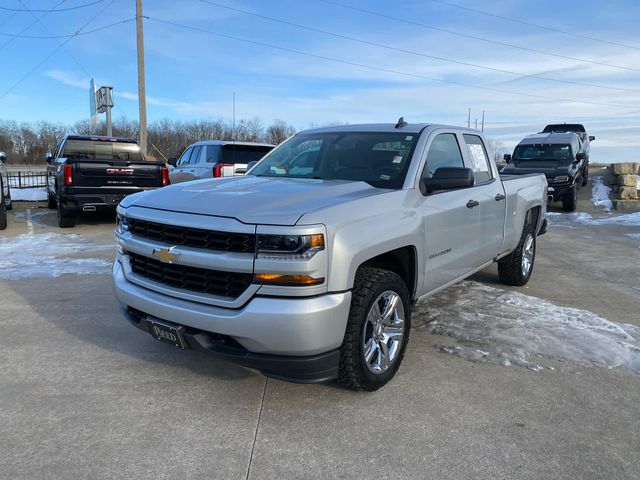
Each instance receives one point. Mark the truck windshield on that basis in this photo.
(559, 153)
(232, 153)
(101, 150)
(380, 159)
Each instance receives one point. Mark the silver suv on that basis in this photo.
(216, 158)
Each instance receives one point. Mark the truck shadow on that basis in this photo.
(84, 307)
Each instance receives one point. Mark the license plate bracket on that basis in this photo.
(167, 333)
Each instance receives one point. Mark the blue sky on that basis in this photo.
(192, 74)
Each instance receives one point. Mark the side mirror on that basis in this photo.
(3, 158)
(48, 157)
(251, 164)
(507, 157)
(172, 161)
(447, 178)
(592, 138)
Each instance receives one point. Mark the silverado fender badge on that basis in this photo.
(166, 255)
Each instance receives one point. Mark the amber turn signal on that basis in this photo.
(288, 280)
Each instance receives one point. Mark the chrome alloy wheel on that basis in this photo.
(383, 332)
(528, 252)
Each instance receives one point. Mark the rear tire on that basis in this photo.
(374, 343)
(570, 199)
(66, 219)
(585, 176)
(516, 268)
(9, 203)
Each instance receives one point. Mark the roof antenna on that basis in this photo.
(401, 123)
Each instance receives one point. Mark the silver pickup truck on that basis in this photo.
(307, 268)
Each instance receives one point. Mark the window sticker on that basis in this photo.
(397, 159)
(478, 157)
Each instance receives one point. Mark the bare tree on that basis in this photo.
(496, 150)
(278, 132)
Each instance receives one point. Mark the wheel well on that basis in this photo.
(401, 261)
(532, 218)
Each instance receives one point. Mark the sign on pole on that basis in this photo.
(92, 102)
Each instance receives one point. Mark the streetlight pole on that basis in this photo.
(142, 98)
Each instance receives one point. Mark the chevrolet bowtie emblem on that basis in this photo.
(166, 255)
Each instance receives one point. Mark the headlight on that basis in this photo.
(122, 224)
(289, 247)
(561, 179)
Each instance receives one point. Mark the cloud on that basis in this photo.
(68, 78)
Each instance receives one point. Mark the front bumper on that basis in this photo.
(291, 338)
(558, 191)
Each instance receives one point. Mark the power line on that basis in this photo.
(482, 39)
(60, 46)
(421, 54)
(29, 26)
(381, 69)
(76, 34)
(53, 10)
(537, 25)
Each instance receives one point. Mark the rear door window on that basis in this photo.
(184, 159)
(195, 155)
(479, 159)
(443, 152)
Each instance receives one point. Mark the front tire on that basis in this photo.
(3, 210)
(8, 202)
(516, 268)
(570, 200)
(51, 201)
(377, 330)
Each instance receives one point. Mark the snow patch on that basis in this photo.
(600, 195)
(49, 255)
(560, 219)
(510, 328)
(28, 194)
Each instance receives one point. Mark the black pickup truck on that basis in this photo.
(560, 156)
(93, 173)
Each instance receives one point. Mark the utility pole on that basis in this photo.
(482, 128)
(142, 96)
(469, 119)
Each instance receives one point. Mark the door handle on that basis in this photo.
(500, 197)
(472, 203)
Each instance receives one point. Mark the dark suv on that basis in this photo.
(560, 156)
(576, 128)
(92, 173)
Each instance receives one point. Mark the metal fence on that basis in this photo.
(26, 179)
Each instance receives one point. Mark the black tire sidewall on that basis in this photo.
(393, 283)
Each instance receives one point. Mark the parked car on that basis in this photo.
(308, 272)
(216, 158)
(93, 173)
(560, 157)
(576, 128)
(5, 192)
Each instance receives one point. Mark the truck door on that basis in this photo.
(178, 173)
(450, 223)
(489, 192)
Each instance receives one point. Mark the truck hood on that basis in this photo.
(550, 168)
(257, 200)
